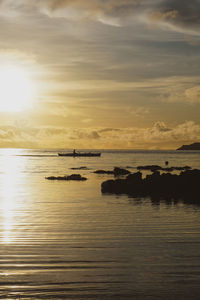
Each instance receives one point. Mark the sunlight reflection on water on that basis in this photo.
(12, 187)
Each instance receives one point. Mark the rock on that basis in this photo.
(103, 172)
(168, 186)
(108, 186)
(134, 178)
(70, 177)
(118, 171)
(76, 177)
(154, 168)
(182, 168)
(80, 168)
(194, 146)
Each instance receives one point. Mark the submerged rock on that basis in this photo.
(79, 168)
(184, 186)
(69, 177)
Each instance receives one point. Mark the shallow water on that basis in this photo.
(65, 240)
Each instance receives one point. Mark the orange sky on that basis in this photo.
(103, 74)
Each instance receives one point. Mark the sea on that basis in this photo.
(67, 240)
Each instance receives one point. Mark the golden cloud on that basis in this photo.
(158, 136)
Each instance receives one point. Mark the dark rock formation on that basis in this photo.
(157, 186)
(116, 172)
(119, 171)
(151, 168)
(103, 172)
(154, 168)
(69, 177)
(194, 146)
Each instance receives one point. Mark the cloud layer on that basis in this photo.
(178, 15)
(105, 75)
(159, 136)
(109, 11)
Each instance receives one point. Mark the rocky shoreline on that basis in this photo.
(154, 168)
(167, 186)
(160, 184)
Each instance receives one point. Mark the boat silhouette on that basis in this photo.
(80, 154)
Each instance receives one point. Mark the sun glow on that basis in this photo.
(17, 90)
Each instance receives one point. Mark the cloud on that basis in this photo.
(104, 130)
(193, 94)
(110, 12)
(168, 15)
(14, 136)
(106, 11)
(85, 134)
(182, 90)
(179, 15)
(160, 127)
(6, 134)
(87, 120)
(139, 112)
(56, 108)
(188, 131)
(159, 136)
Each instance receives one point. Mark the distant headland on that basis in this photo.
(194, 146)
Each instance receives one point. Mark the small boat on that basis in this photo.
(80, 154)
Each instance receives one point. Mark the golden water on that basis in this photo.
(65, 240)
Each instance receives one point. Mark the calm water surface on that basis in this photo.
(65, 240)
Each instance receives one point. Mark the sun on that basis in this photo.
(17, 90)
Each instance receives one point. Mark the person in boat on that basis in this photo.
(74, 152)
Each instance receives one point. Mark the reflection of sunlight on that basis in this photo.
(10, 187)
(7, 228)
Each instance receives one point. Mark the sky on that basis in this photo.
(113, 74)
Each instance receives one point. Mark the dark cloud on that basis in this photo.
(184, 14)
(187, 12)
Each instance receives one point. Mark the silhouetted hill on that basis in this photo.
(194, 146)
